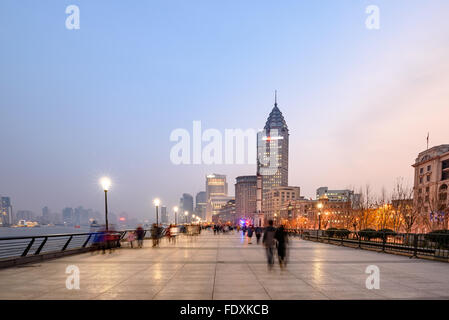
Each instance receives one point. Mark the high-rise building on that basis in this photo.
(216, 193)
(430, 189)
(164, 215)
(67, 216)
(185, 204)
(46, 216)
(245, 197)
(6, 217)
(272, 152)
(200, 204)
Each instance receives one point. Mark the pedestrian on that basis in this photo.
(168, 233)
(155, 234)
(250, 234)
(174, 232)
(269, 241)
(131, 236)
(282, 240)
(140, 233)
(258, 234)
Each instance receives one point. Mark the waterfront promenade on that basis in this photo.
(226, 267)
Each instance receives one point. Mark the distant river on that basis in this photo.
(38, 231)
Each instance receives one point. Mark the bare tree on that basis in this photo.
(383, 211)
(406, 213)
(364, 209)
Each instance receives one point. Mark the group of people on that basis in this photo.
(138, 235)
(105, 239)
(221, 228)
(274, 240)
(250, 231)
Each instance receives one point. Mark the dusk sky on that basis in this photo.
(102, 100)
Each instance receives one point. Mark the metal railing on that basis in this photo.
(26, 246)
(416, 245)
(15, 247)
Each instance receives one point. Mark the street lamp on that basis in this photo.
(176, 214)
(156, 203)
(320, 206)
(186, 213)
(106, 184)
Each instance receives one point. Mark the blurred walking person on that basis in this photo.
(282, 241)
(174, 230)
(131, 236)
(155, 235)
(258, 234)
(269, 242)
(250, 234)
(140, 233)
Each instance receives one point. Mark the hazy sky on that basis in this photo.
(78, 104)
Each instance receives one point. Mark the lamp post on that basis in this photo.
(186, 213)
(176, 214)
(319, 206)
(156, 203)
(106, 183)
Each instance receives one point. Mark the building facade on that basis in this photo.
(278, 198)
(226, 214)
(430, 188)
(216, 192)
(245, 197)
(337, 195)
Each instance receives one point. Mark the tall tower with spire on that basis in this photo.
(272, 150)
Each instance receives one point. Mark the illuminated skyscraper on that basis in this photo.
(272, 151)
(216, 193)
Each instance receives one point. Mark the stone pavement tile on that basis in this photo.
(68, 295)
(353, 295)
(309, 295)
(192, 287)
(125, 296)
(255, 295)
(339, 288)
(289, 289)
(404, 294)
(139, 289)
(238, 288)
(13, 295)
(439, 294)
(145, 282)
(183, 296)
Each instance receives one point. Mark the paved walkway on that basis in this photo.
(226, 267)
